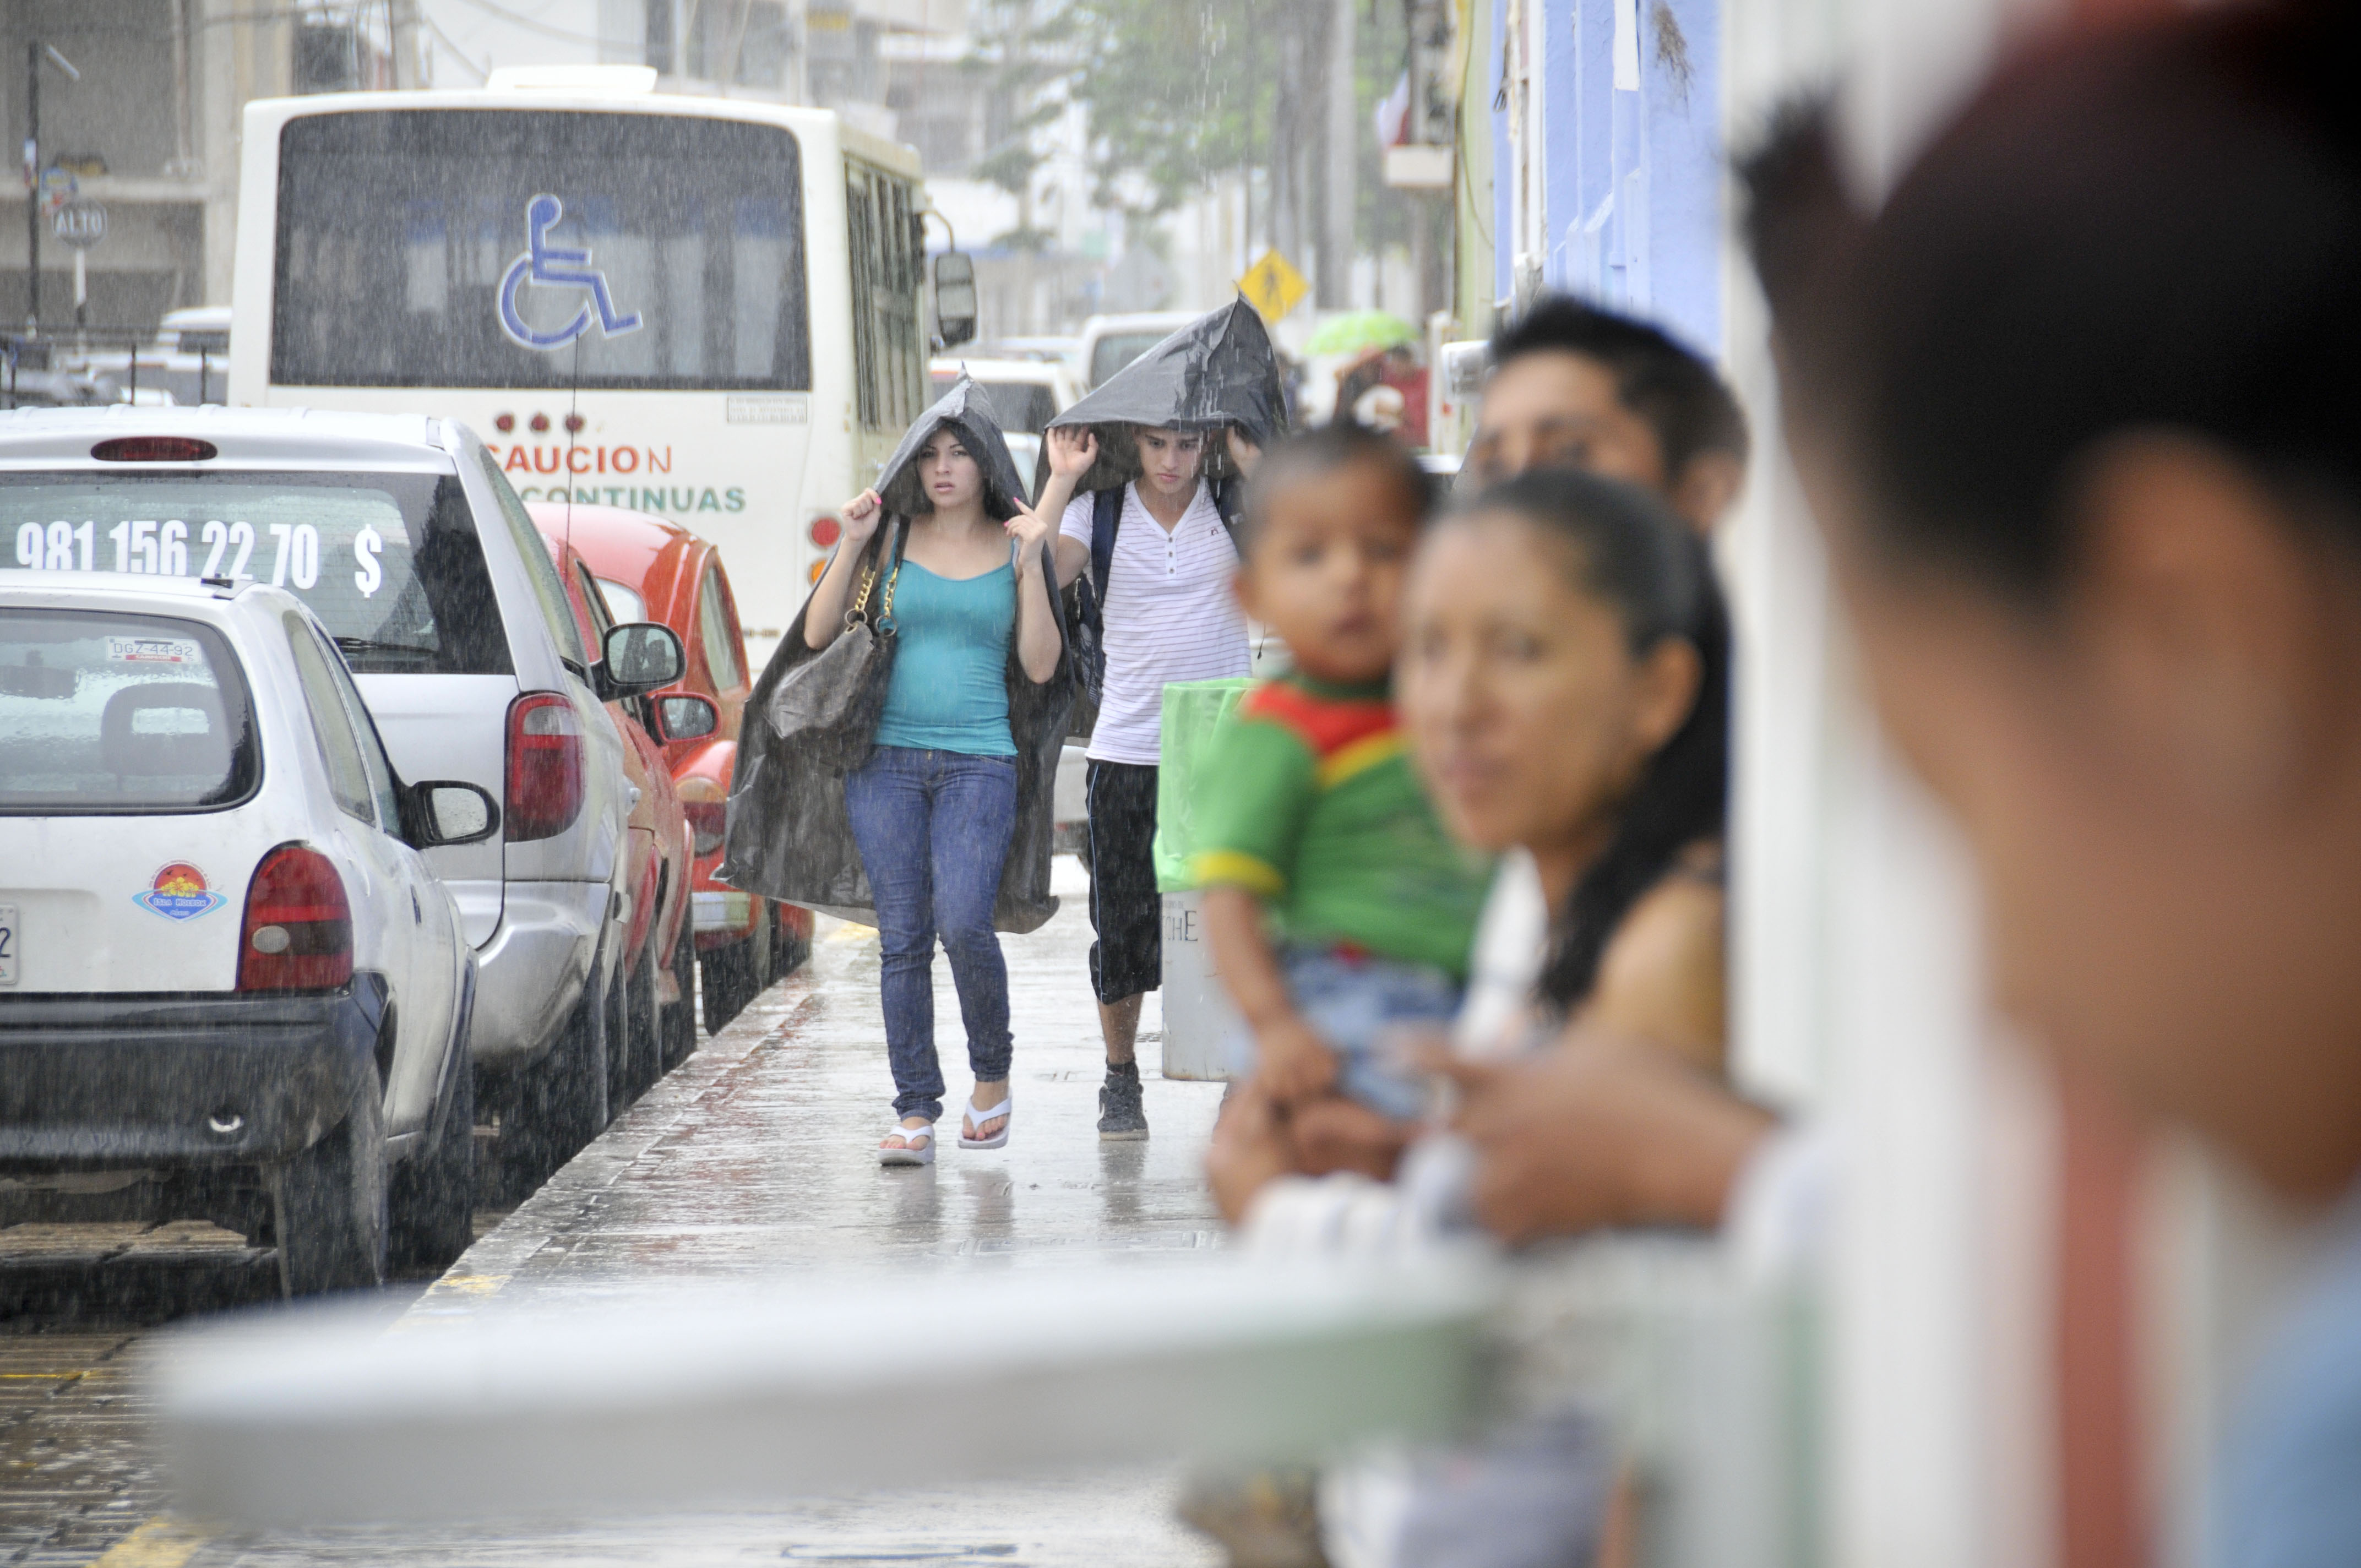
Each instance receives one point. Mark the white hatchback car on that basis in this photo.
(403, 536)
(230, 986)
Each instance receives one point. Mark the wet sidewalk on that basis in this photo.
(757, 1155)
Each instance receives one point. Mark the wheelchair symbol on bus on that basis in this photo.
(547, 265)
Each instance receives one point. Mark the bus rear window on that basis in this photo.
(119, 713)
(390, 562)
(539, 249)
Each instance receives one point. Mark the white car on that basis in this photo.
(402, 534)
(1110, 343)
(1025, 394)
(230, 986)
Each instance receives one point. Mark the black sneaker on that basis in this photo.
(1121, 1115)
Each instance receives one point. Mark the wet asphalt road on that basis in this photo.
(757, 1155)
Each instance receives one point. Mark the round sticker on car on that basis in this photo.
(179, 892)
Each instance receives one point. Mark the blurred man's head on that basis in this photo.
(1576, 387)
(2076, 413)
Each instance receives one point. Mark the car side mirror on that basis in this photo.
(955, 309)
(686, 717)
(451, 811)
(639, 656)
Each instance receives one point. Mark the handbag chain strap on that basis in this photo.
(860, 611)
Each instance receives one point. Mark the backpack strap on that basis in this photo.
(1106, 516)
(1229, 501)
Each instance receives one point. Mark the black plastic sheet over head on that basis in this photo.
(1217, 372)
(968, 409)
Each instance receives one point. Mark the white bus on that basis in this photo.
(706, 308)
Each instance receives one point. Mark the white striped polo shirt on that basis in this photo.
(1170, 615)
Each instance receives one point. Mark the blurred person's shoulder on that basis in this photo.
(1664, 975)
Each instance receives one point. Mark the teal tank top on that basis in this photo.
(950, 686)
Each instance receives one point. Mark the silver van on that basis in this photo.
(401, 534)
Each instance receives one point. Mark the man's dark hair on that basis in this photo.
(2155, 227)
(1325, 450)
(1624, 547)
(1682, 399)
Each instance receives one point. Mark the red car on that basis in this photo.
(649, 569)
(659, 994)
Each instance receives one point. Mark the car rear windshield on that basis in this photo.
(103, 714)
(1118, 349)
(390, 562)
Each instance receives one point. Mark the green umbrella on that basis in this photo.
(1358, 332)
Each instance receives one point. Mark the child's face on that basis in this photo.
(1528, 714)
(1326, 569)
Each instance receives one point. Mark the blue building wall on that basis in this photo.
(1631, 178)
(1687, 155)
(1504, 258)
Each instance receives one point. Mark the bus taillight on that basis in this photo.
(826, 530)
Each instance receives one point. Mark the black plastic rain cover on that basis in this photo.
(967, 406)
(1218, 370)
(787, 836)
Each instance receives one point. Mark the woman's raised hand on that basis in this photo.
(860, 516)
(1030, 528)
(1072, 449)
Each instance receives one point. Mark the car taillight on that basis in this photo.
(299, 928)
(155, 449)
(706, 820)
(545, 793)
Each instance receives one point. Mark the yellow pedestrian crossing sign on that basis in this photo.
(1273, 286)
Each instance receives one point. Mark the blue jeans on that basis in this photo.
(1367, 1008)
(933, 830)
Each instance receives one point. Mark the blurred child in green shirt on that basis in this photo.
(1340, 914)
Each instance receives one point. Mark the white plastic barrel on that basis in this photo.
(1199, 1022)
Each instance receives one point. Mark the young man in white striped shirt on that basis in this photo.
(1170, 614)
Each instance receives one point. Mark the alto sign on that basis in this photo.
(81, 224)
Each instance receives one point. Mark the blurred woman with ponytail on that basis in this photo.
(1564, 687)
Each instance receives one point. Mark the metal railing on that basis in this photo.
(87, 365)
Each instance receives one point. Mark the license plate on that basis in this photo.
(11, 937)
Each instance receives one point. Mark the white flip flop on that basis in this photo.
(975, 1118)
(910, 1153)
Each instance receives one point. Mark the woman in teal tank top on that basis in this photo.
(933, 809)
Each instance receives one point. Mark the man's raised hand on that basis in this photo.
(1244, 452)
(1072, 449)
